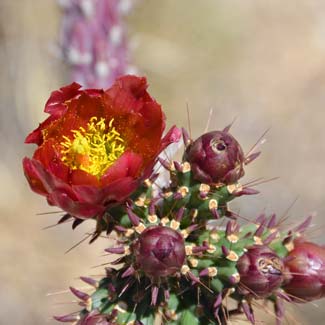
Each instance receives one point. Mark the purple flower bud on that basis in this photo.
(159, 251)
(306, 262)
(261, 271)
(216, 157)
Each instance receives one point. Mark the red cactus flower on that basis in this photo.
(216, 157)
(306, 263)
(261, 271)
(96, 146)
(160, 251)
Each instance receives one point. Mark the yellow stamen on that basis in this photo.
(93, 149)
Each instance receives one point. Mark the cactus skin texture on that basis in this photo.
(181, 252)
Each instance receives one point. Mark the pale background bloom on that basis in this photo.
(260, 61)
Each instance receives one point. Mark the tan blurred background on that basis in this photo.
(260, 61)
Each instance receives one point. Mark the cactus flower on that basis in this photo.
(160, 251)
(306, 263)
(261, 271)
(96, 146)
(216, 157)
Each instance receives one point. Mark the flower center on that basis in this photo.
(93, 149)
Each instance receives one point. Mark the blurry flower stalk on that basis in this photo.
(94, 40)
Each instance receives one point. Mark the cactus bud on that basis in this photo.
(159, 251)
(261, 271)
(216, 157)
(306, 263)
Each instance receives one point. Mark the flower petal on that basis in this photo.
(173, 135)
(128, 165)
(75, 208)
(32, 177)
(55, 104)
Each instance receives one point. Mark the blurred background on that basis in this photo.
(262, 62)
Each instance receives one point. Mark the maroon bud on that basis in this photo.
(216, 157)
(306, 263)
(159, 251)
(260, 270)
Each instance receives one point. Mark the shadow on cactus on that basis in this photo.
(180, 251)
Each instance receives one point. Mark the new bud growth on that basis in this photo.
(216, 157)
(261, 271)
(306, 263)
(159, 251)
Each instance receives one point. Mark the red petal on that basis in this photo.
(173, 135)
(78, 209)
(80, 177)
(88, 194)
(55, 104)
(32, 177)
(120, 189)
(129, 164)
(36, 136)
(51, 160)
(127, 90)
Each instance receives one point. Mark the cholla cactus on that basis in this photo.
(180, 250)
(94, 40)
